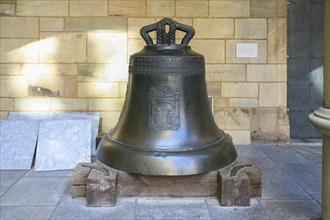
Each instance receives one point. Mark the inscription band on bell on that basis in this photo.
(167, 66)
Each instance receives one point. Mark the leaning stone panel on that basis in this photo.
(18, 142)
(62, 144)
(39, 116)
(94, 117)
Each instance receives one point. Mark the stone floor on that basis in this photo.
(291, 190)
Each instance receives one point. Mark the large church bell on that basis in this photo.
(166, 126)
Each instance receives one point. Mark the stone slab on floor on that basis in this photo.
(18, 140)
(282, 187)
(55, 173)
(291, 209)
(41, 116)
(307, 176)
(35, 194)
(8, 178)
(171, 208)
(76, 208)
(93, 116)
(311, 153)
(254, 211)
(36, 191)
(283, 155)
(62, 144)
(26, 212)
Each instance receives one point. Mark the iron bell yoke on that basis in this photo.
(166, 127)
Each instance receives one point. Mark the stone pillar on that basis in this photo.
(326, 178)
(321, 117)
(326, 66)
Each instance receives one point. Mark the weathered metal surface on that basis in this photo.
(166, 126)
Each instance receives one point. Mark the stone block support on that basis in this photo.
(235, 190)
(79, 180)
(101, 187)
(238, 183)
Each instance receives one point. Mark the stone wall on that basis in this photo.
(72, 55)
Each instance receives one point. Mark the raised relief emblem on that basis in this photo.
(164, 108)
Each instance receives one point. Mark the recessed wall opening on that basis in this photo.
(305, 65)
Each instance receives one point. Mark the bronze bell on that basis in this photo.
(166, 126)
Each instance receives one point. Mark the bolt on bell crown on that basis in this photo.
(166, 126)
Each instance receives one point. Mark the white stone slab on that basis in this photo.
(247, 50)
(62, 144)
(18, 139)
(31, 116)
(93, 116)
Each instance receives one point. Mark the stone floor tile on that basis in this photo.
(33, 194)
(36, 191)
(212, 201)
(291, 209)
(254, 211)
(282, 187)
(267, 166)
(18, 140)
(250, 152)
(311, 153)
(62, 144)
(8, 178)
(52, 173)
(168, 208)
(70, 208)
(307, 175)
(306, 142)
(26, 212)
(283, 154)
(317, 198)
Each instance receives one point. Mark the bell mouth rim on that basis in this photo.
(165, 149)
(159, 163)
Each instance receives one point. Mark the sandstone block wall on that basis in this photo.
(72, 55)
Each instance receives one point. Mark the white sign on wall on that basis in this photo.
(246, 50)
